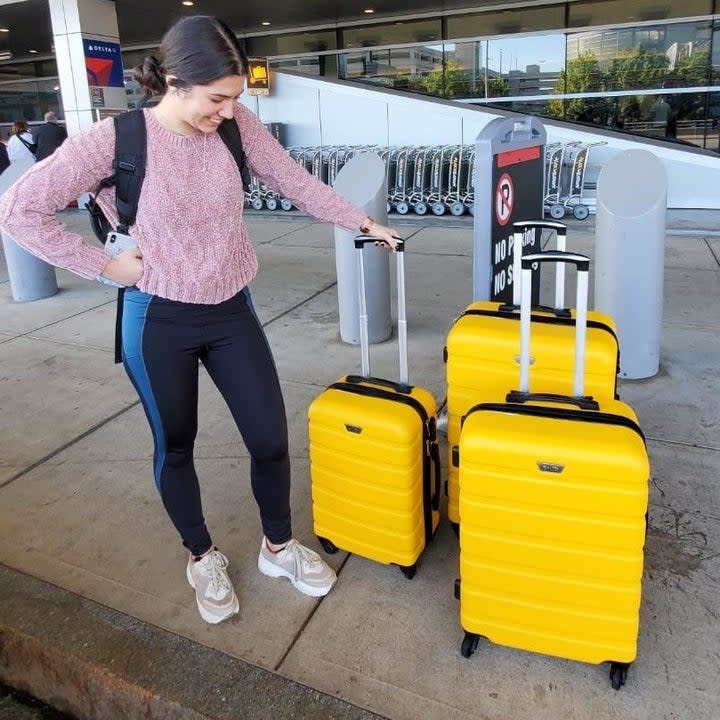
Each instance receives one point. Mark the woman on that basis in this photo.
(21, 145)
(187, 299)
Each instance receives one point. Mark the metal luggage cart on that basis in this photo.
(420, 180)
(578, 160)
(554, 154)
(254, 196)
(401, 181)
(469, 197)
(337, 157)
(438, 173)
(453, 198)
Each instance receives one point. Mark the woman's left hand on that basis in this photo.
(387, 237)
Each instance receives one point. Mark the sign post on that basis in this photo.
(509, 170)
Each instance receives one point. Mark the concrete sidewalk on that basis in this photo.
(79, 510)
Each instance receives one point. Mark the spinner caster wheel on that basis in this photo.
(271, 203)
(286, 204)
(409, 571)
(469, 644)
(618, 674)
(257, 204)
(421, 208)
(438, 208)
(402, 208)
(457, 208)
(328, 545)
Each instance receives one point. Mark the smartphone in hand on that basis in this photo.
(116, 242)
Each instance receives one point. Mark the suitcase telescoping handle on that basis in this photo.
(519, 230)
(360, 242)
(582, 263)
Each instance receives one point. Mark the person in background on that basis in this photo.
(4, 159)
(49, 137)
(21, 145)
(187, 299)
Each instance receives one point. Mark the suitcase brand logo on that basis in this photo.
(550, 467)
(353, 429)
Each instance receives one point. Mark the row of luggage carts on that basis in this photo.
(567, 187)
(436, 179)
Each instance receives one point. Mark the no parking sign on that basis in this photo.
(508, 187)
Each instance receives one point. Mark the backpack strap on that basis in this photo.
(129, 165)
(229, 132)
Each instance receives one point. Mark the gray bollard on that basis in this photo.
(630, 256)
(363, 181)
(30, 277)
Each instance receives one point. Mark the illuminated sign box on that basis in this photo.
(258, 81)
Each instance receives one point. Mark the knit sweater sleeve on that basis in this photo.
(271, 163)
(28, 207)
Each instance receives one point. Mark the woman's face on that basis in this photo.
(204, 107)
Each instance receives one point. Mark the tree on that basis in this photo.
(581, 74)
(498, 87)
(637, 68)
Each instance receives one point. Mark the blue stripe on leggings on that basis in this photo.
(135, 311)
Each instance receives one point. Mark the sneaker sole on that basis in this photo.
(205, 614)
(273, 571)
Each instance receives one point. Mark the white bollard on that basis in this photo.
(363, 181)
(630, 231)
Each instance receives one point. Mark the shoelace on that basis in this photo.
(214, 565)
(303, 557)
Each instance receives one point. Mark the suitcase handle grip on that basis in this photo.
(519, 230)
(585, 402)
(398, 386)
(558, 312)
(362, 240)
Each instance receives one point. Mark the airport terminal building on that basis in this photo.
(640, 66)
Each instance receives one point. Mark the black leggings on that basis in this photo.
(163, 342)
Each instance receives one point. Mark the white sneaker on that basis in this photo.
(216, 599)
(305, 569)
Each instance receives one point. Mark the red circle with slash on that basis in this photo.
(504, 199)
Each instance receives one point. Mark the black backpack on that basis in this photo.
(128, 176)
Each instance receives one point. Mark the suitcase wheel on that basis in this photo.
(409, 570)
(469, 644)
(618, 674)
(457, 588)
(456, 529)
(328, 545)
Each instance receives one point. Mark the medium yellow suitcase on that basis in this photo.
(553, 498)
(374, 457)
(482, 352)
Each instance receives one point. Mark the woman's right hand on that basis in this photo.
(125, 268)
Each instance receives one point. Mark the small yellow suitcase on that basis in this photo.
(553, 499)
(374, 458)
(482, 351)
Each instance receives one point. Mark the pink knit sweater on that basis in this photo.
(189, 225)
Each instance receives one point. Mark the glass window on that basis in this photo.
(660, 56)
(397, 33)
(35, 68)
(608, 12)
(505, 22)
(418, 68)
(715, 58)
(308, 65)
(291, 43)
(28, 101)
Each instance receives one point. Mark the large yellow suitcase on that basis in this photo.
(482, 352)
(553, 499)
(374, 458)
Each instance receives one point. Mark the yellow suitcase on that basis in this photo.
(553, 501)
(482, 352)
(374, 457)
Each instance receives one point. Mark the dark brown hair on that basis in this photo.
(196, 50)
